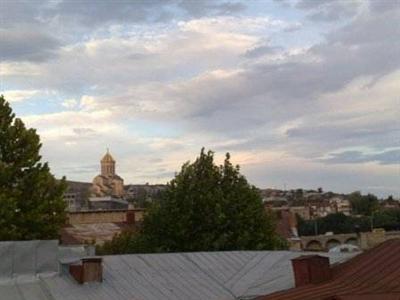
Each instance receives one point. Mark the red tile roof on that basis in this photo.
(372, 275)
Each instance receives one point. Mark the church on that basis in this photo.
(108, 183)
(107, 190)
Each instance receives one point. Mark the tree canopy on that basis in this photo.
(389, 219)
(363, 204)
(336, 223)
(206, 207)
(31, 199)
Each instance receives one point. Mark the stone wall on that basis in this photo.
(106, 216)
(364, 240)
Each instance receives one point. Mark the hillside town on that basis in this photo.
(106, 207)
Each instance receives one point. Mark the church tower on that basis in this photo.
(108, 183)
(107, 165)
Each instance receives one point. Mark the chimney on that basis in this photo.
(311, 269)
(130, 217)
(87, 270)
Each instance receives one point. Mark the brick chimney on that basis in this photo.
(311, 269)
(130, 217)
(87, 270)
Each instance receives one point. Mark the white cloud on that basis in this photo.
(69, 103)
(19, 95)
(157, 92)
(88, 102)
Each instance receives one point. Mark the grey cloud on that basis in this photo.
(84, 131)
(96, 13)
(21, 12)
(201, 8)
(379, 27)
(384, 5)
(293, 27)
(345, 180)
(88, 13)
(390, 157)
(264, 96)
(329, 10)
(140, 56)
(262, 50)
(27, 45)
(90, 169)
(316, 142)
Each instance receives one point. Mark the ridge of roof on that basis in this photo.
(374, 272)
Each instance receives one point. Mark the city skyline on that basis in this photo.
(303, 94)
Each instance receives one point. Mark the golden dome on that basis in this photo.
(107, 157)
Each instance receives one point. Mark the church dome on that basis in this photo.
(107, 158)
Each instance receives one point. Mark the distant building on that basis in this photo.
(275, 201)
(105, 192)
(341, 205)
(98, 226)
(324, 207)
(107, 202)
(77, 195)
(302, 211)
(137, 191)
(108, 183)
(390, 203)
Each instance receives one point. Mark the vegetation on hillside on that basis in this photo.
(389, 219)
(363, 204)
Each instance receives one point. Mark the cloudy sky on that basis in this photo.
(301, 93)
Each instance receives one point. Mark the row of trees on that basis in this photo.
(388, 219)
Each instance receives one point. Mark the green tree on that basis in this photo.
(31, 199)
(206, 208)
(389, 219)
(363, 204)
(336, 223)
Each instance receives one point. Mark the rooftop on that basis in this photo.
(372, 275)
(34, 272)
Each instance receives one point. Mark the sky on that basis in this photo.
(302, 94)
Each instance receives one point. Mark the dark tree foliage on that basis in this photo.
(340, 223)
(205, 208)
(389, 219)
(31, 199)
(363, 204)
(336, 223)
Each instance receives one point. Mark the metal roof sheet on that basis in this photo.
(187, 276)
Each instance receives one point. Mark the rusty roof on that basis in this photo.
(372, 275)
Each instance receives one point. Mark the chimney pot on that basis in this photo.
(311, 269)
(87, 270)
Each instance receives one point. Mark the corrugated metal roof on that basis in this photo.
(186, 276)
(374, 274)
